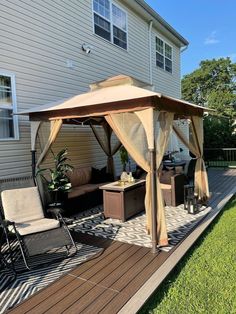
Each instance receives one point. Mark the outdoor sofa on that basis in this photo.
(85, 192)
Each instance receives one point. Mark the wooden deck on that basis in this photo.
(123, 277)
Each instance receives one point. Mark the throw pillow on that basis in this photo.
(99, 175)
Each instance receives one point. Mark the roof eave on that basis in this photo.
(159, 19)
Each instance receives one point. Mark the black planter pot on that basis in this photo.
(58, 199)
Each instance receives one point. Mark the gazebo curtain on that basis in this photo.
(195, 145)
(34, 127)
(104, 141)
(163, 130)
(139, 132)
(55, 126)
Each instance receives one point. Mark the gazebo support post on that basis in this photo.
(154, 203)
(33, 165)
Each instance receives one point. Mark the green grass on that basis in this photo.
(205, 280)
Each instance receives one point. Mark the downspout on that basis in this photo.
(150, 50)
(183, 48)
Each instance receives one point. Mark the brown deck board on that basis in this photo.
(81, 304)
(120, 272)
(107, 282)
(43, 294)
(62, 294)
(87, 273)
(99, 303)
(79, 295)
(113, 265)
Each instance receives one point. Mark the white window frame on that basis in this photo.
(14, 107)
(164, 54)
(112, 24)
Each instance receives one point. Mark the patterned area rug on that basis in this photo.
(133, 231)
(27, 282)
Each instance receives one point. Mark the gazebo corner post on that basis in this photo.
(33, 165)
(153, 201)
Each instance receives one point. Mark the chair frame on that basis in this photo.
(3, 260)
(31, 244)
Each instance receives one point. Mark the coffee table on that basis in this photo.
(122, 202)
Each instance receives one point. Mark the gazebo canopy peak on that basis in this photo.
(118, 94)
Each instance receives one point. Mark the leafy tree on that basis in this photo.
(213, 85)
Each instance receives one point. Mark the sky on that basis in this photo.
(208, 25)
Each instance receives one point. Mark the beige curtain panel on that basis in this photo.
(105, 141)
(195, 145)
(34, 127)
(55, 126)
(139, 132)
(163, 131)
(129, 130)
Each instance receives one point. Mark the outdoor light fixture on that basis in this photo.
(86, 48)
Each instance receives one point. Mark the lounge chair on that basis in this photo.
(35, 233)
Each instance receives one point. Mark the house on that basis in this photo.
(54, 50)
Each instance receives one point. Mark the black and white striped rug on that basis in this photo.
(133, 231)
(12, 292)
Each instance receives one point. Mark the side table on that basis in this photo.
(122, 202)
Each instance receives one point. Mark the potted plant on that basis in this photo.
(124, 158)
(56, 179)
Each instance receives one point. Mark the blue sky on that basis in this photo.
(208, 25)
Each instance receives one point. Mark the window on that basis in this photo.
(8, 122)
(163, 55)
(110, 22)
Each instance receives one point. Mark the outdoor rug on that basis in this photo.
(28, 282)
(133, 231)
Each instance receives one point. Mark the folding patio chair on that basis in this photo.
(35, 234)
(6, 259)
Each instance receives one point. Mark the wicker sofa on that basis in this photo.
(85, 191)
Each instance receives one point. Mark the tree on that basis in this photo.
(213, 85)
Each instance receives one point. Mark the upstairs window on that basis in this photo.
(163, 55)
(110, 22)
(8, 122)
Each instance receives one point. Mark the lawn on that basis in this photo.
(205, 280)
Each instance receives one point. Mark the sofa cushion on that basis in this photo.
(76, 191)
(100, 176)
(38, 225)
(80, 176)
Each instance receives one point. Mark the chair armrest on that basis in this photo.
(55, 211)
(5, 223)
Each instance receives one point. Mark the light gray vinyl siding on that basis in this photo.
(38, 37)
(165, 82)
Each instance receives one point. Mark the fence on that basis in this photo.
(220, 157)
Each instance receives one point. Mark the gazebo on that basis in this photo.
(142, 120)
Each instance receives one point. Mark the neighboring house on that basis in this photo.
(54, 49)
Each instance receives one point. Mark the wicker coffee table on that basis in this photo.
(122, 202)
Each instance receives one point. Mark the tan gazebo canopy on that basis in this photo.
(143, 121)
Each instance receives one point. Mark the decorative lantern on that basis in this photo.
(192, 204)
(188, 193)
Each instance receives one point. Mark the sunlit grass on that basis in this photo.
(205, 280)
